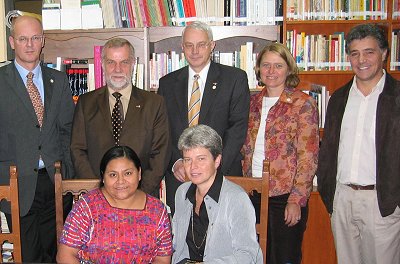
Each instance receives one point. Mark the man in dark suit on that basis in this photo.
(359, 163)
(34, 134)
(224, 100)
(144, 120)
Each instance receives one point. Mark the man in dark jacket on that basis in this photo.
(359, 163)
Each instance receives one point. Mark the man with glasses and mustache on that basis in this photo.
(121, 114)
(205, 92)
(36, 112)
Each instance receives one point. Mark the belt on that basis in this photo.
(361, 187)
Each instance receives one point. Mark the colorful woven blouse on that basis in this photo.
(105, 234)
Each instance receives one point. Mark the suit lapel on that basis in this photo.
(48, 86)
(104, 106)
(181, 95)
(211, 91)
(133, 114)
(14, 81)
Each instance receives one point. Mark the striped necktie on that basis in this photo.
(194, 103)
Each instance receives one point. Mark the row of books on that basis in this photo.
(163, 63)
(337, 9)
(321, 96)
(76, 14)
(318, 52)
(395, 51)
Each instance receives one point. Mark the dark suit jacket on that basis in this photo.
(225, 109)
(22, 141)
(145, 130)
(387, 140)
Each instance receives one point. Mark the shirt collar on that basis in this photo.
(378, 87)
(213, 192)
(203, 73)
(37, 71)
(126, 92)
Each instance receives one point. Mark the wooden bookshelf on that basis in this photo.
(79, 43)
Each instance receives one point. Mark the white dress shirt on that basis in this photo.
(357, 153)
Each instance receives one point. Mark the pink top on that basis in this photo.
(105, 234)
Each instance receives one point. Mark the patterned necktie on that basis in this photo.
(35, 98)
(194, 103)
(117, 117)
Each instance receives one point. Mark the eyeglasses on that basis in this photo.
(199, 46)
(25, 40)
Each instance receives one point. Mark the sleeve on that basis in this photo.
(307, 152)
(64, 121)
(79, 148)
(242, 226)
(235, 134)
(160, 151)
(164, 237)
(77, 225)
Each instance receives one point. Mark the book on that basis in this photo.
(98, 71)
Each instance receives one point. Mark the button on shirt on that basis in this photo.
(357, 153)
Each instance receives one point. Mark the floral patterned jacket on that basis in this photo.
(291, 143)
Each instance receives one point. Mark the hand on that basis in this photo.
(179, 171)
(292, 214)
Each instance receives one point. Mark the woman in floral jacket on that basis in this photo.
(283, 129)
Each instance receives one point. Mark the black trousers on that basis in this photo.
(38, 227)
(284, 243)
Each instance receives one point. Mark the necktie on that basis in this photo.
(194, 103)
(35, 98)
(117, 117)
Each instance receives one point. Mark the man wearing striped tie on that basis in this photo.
(205, 92)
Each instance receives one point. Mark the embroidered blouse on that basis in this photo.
(105, 234)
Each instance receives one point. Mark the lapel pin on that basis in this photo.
(214, 86)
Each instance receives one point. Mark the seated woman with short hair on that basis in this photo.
(117, 223)
(214, 221)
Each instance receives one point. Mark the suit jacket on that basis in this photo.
(224, 107)
(387, 140)
(145, 130)
(22, 141)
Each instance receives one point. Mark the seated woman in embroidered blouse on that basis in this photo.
(214, 220)
(117, 223)
(283, 129)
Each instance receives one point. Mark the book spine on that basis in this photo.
(98, 72)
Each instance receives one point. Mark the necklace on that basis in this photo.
(194, 242)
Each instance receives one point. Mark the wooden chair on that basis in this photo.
(10, 193)
(74, 186)
(261, 185)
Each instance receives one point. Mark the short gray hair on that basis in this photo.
(200, 26)
(201, 136)
(118, 43)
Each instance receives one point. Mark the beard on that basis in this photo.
(118, 85)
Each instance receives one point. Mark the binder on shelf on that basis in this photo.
(51, 15)
(91, 14)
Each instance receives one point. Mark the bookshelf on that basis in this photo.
(79, 43)
(384, 14)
